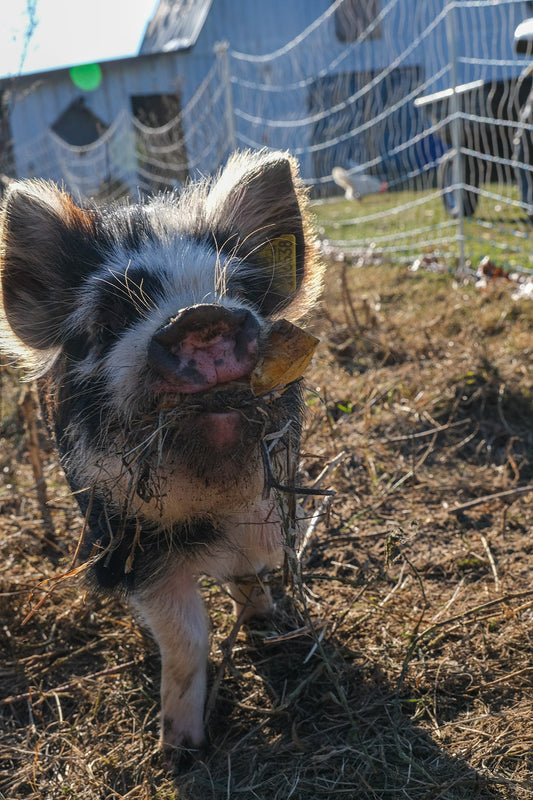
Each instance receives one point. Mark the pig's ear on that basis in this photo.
(258, 209)
(47, 243)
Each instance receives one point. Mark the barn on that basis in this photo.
(334, 82)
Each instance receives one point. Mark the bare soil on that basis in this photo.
(399, 660)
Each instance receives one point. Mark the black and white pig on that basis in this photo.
(143, 324)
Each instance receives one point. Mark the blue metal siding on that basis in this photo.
(249, 27)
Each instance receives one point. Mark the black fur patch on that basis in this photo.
(129, 552)
(123, 300)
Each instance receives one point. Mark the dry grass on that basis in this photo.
(398, 666)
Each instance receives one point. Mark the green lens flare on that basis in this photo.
(86, 77)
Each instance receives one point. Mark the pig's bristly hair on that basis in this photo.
(50, 247)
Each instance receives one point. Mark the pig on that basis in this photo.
(142, 324)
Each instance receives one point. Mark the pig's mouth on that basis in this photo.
(224, 417)
(214, 435)
(221, 398)
(218, 435)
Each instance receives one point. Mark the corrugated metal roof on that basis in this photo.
(175, 26)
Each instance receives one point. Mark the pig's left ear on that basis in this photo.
(47, 246)
(258, 209)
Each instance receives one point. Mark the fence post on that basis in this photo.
(221, 52)
(458, 171)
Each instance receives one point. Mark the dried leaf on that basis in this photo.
(287, 353)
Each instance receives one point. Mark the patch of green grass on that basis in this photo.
(409, 224)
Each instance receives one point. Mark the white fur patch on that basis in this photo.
(173, 610)
(190, 273)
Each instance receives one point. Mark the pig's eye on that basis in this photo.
(114, 316)
(106, 331)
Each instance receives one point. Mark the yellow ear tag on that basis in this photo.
(278, 260)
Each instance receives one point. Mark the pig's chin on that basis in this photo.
(214, 434)
(221, 430)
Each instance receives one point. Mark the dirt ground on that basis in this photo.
(399, 660)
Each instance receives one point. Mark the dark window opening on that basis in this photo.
(353, 17)
(161, 148)
(78, 125)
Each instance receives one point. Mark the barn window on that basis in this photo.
(78, 125)
(161, 149)
(353, 17)
(156, 110)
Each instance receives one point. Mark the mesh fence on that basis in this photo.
(411, 120)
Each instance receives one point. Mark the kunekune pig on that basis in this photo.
(143, 324)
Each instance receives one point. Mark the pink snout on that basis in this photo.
(202, 346)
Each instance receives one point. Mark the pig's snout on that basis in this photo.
(202, 346)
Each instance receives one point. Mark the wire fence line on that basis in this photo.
(414, 134)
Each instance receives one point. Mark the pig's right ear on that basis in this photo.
(47, 246)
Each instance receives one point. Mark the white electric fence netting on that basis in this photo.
(367, 107)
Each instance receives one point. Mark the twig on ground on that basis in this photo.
(458, 617)
(318, 514)
(295, 634)
(451, 601)
(491, 562)
(478, 501)
(28, 407)
(506, 677)
(422, 434)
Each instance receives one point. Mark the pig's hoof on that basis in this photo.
(253, 602)
(180, 758)
(181, 747)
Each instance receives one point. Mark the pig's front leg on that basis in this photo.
(256, 535)
(174, 612)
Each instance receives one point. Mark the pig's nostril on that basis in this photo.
(246, 336)
(161, 359)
